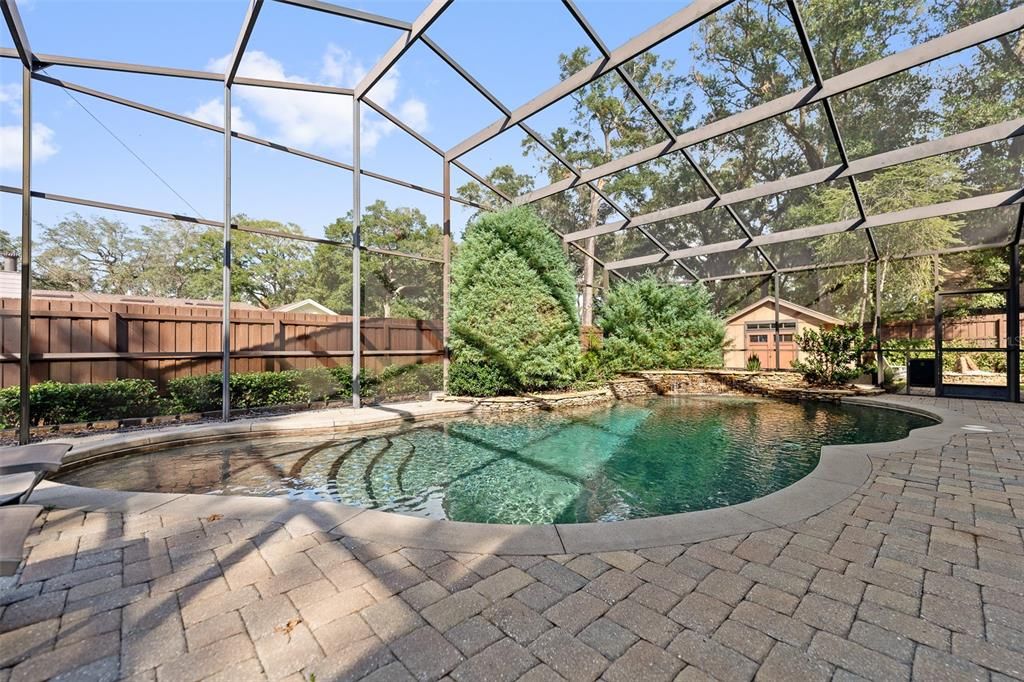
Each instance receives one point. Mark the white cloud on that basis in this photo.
(338, 67)
(310, 119)
(43, 145)
(212, 111)
(413, 113)
(10, 94)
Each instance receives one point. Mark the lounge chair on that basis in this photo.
(15, 523)
(23, 467)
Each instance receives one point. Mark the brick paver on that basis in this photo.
(918, 574)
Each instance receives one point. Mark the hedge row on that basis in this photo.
(53, 402)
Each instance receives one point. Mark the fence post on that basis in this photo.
(114, 342)
(279, 337)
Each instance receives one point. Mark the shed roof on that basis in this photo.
(783, 303)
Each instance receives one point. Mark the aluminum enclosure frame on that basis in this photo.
(609, 61)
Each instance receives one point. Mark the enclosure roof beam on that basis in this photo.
(595, 38)
(931, 50)
(717, 197)
(862, 261)
(594, 258)
(434, 148)
(666, 128)
(99, 94)
(979, 203)
(401, 124)
(248, 24)
(401, 46)
(293, 85)
(482, 180)
(45, 60)
(114, 207)
(165, 215)
(466, 76)
(241, 136)
(837, 136)
(868, 164)
(17, 29)
(349, 13)
(533, 134)
(497, 104)
(334, 242)
(661, 31)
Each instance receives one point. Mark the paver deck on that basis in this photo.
(919, 574)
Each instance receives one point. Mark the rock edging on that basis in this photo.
(788, 385)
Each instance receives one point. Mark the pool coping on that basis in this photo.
(841, 470)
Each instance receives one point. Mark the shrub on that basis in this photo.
(52, 402)
(59, 403)
(754, 363)
(200, 393)
(833, 356)
(593, 371)
(651, 325)
(255, 389)
(405, 381)
(513, 316)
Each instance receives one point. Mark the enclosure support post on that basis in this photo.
(1013, 321)
(776, 338)
(937, 312)
(880, 369)
(24, 369)
(357, 288)
(225, 389)
(446, 275)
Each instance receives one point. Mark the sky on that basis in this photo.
(89, 148)
(164, 165)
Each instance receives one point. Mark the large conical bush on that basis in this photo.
(514, 326)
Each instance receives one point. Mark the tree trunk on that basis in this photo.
(882, 265)
(587, 314)
(863, 294)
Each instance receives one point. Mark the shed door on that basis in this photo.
(760, 341)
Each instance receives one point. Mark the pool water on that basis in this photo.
(624, 461)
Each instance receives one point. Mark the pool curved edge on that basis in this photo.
(841, 470)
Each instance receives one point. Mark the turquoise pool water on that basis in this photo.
(628, 460)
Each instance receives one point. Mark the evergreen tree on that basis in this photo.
(648, 324)
(513, 317)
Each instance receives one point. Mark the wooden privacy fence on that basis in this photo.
(88, 342)
(981, 330)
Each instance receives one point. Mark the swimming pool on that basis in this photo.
(623, 461)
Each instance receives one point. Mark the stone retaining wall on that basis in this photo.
(546, 401)
(685, 382)
(707, 382)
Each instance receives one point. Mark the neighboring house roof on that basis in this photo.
(12, 278)
(783, 303)
(305, 303)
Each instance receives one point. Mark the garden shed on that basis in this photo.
(748, 332)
